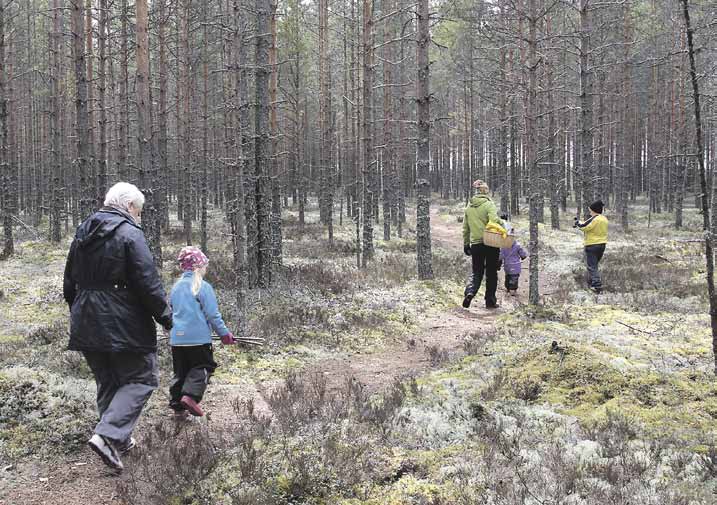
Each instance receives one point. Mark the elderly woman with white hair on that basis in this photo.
(115, 296)
(485, 259)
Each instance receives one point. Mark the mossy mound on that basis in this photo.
(42, 414)
(580, 383)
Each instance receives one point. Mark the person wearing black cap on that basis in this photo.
(595, 239)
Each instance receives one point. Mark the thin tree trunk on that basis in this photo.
(90, 60)
(83, 132)
(276, 235)
(368, 155)
(204, 189)
(534, 184)
(7, 198)
(586, 106)
(240, 266)
(162, 191)
(708, 228)
(55, 73)
(262, 141)
(148, 175)
(122, 157)
(423, 117)
(186, 155)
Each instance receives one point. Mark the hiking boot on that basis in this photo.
(467, 301)
(127, 446)
(106, 450)
(192, 406)
(492, 306)
(595, 290)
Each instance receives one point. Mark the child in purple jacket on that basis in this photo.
(510, 258)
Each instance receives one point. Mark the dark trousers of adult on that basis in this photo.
(193, 366)
(485, 261)
(593, 255)
(125, 381)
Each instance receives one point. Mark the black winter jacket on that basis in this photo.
(112, 286)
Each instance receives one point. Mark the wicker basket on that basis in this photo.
(493, 239)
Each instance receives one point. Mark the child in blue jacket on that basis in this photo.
(195, 314)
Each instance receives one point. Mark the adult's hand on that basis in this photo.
(166, 322)
(467, 250)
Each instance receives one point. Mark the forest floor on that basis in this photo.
(377, 388)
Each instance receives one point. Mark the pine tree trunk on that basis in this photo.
(101, 100)
(366, 128)
(83, 133)
(586, 107)
(7, 196)
(262, 142)
(148, 175)
(276, 181)
(534, 184)
(423, 117)
(239, 228)
(204, 189)
(90, 59)
(387, 154)
(707, 227)
(186, 152)
(163, 113)
(123, 155)
(55, 73)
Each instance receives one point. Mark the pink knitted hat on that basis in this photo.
(481, 186)
(191, 258)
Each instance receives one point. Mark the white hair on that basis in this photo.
(124, 194)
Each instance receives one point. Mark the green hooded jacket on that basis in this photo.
(479, 212)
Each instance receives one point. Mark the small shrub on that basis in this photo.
(708, 463)
(46, 335)
(612, 433)
(325, 277)
(528, 389)
(169, 463)
(437, 354)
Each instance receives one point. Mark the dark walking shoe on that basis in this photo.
(127, 446)
(492, 306)
(595, 290)
(105, 450)
(192, 406)
(467, 301)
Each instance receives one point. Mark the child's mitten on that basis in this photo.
(228, 339)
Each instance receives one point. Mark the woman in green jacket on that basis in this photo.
(480, 211)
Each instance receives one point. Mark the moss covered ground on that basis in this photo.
(585, 399)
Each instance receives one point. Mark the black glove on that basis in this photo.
(166, 322)
(575, 222)
(467, 250)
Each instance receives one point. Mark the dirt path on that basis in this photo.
(81, 480)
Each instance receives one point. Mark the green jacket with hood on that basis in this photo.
(479, 212)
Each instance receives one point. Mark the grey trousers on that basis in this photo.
(593, 255)
(125, 381)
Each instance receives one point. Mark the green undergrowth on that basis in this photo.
(322, 306)
(43, 413)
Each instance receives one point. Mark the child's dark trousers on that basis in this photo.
(511, 282)
(193, 365)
